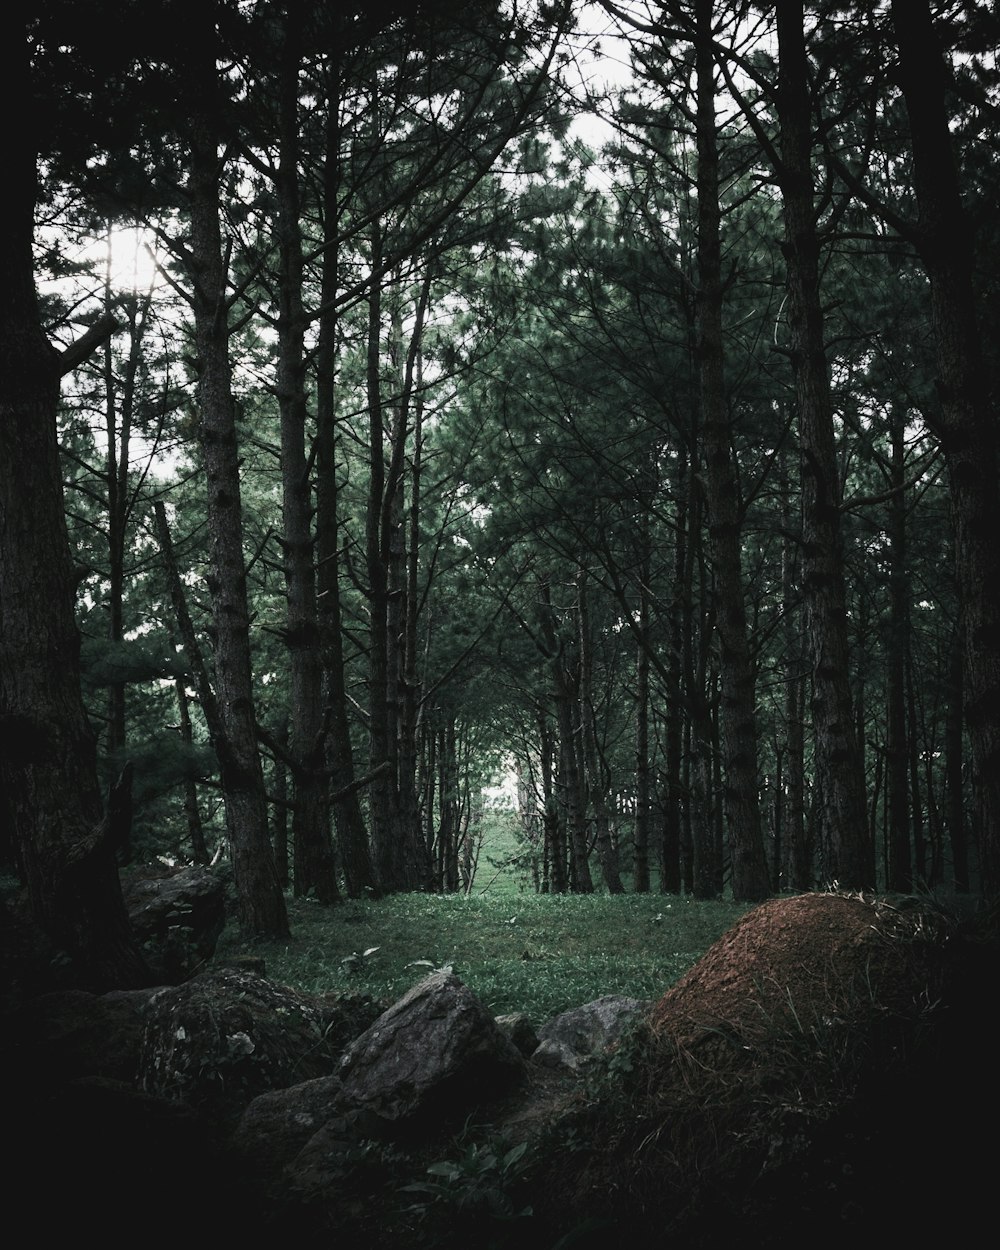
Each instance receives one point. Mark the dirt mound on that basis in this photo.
(784, 1078)
(806, 963)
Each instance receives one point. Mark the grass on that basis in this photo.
(518, 951)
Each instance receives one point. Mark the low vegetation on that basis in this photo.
(517, 950)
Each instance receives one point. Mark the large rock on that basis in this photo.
(435, 1052)
(276, 1125)
(518, 1027)
(578, 1035)
(221, 1039)
(68, 1034)
(178, 916)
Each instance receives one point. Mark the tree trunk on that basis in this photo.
(643, 784)
(51, 800)
(313, 867)
(900, 865)
(555, 877)
(843, 816)
(359, 871)
(596, 771)
(967, 420)
(750, 878)
(796, 864)
(675, 841)
(260, 902)
(954, 780)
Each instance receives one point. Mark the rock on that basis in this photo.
(576, 1036)
(276, 1125)
(221, 1039)
(520, 1030)
(178, 916)
(435, 1052)
(69, 1034)
(782, 1084)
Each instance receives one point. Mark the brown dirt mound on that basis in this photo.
(801, 963)
(782, 1079)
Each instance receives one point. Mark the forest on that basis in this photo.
(400, 400)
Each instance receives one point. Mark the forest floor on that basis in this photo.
(826, 1066)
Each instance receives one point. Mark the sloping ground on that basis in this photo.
(823, 1067)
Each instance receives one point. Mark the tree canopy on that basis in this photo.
(400, 398)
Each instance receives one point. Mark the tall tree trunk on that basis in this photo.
(675, 839)
(967, 420)
(900, 864)
(49, 793)
(643, 784)
(395, 816)
(409, 694)
(706, 861)
(555, 876)
(313, 867)
(359, 871)
(750, 878)
(954, 779)
(843, 815)
(797, 859)
(596, 772)
(260, 901)
(192, 810)
(565, 694)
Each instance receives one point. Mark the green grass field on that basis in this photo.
(517, 950)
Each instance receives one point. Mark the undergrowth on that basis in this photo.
(538, 954)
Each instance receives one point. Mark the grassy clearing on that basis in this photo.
(518, 951)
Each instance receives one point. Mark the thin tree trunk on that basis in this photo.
(797, 861)
(954, 779)
(840, 780)
(313, 866)
(359, 871)
(192, 811)
(596, 772)
(900, 865)
(643, 784)
(750, 878)
(260, 902)
(555, 877)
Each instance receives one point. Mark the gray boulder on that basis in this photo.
(224, 1037)
(276, 1125)
(576, 1036)
(435, 1052)
(518, 1027)
(71, 1033)
(178, 916)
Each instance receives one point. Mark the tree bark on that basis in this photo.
(643, 784)
(359, 871)
(595, 770)
(967, 419)
(260, 901)
(749, 876)
(840, 781)
(313, 871)
(64, 842)
(900, 871)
